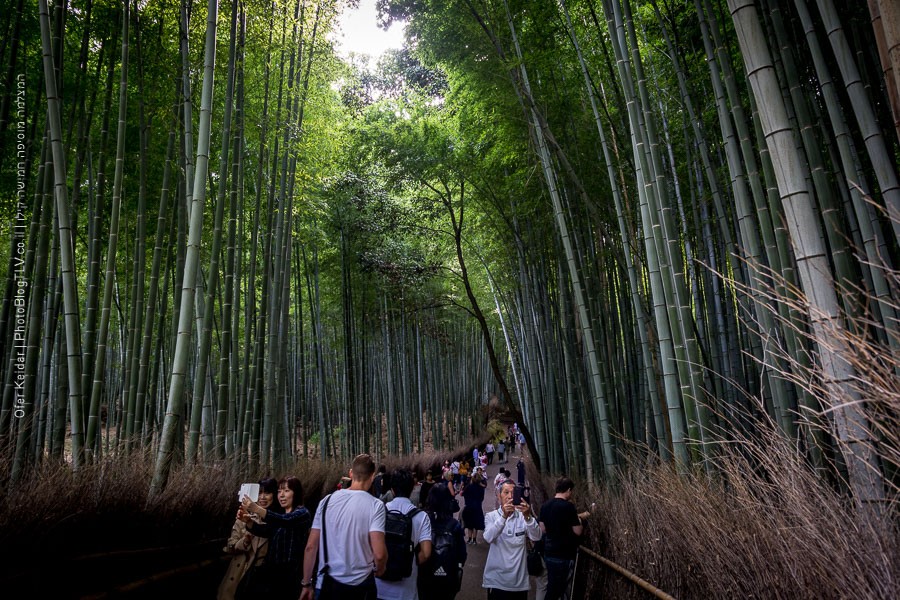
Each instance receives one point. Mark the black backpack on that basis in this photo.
(442, 571)
(398, 532)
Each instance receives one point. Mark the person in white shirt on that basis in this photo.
(454, 470)
(502, 476)
(406, 589)
(505, 531)
(353, 528)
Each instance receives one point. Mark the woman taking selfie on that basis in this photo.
(287, 535)
(247, 550)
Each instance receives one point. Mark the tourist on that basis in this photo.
(378, 487)
(464, 473)
(425, 488)
(405, 587)
(502, 475)
(448, 478)
(287, 533)
(561, 524)
(506, 530)
(441, 577)
(473, 511)
(454, 469)
(347, 536)
(247, 551)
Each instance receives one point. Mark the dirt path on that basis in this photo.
(474, 569)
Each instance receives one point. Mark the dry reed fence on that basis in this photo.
(57, 514)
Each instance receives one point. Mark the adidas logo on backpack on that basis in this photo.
(444, 568)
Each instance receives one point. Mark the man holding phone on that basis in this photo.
(506, 530)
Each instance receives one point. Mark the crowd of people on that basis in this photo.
(388, 536)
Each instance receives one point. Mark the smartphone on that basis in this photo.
(249, 489)
(517, 495)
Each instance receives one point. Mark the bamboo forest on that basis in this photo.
(661, 237)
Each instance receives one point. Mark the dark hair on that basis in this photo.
(292, 483)
(382, 469)
(440, 501)
(363, 467)
(402, 482)
(268, 485)
(564, 484)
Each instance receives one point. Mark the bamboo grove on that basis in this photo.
(167, 289)
(644, 226)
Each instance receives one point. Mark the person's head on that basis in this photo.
(382, 470)
(290, 493)
(564, 487)
(505, 493)
(505, 472)
(429, 476)
(440, 501)
(363, 470)
(402, 482)
(268, 489)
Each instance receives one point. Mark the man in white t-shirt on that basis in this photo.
(405, 589)
(353, 529)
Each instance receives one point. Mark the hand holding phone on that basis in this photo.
(249, 489)
(517, 495)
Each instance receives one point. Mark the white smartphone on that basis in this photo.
(249, 489)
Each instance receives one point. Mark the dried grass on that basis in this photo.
(764, 526)
(58, 514)
(762, 519)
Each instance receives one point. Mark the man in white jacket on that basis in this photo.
(505, 531)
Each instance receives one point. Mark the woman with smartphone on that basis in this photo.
(247, 550)
(287, 535)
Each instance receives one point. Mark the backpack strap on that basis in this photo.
(324, 568)
(412, 515)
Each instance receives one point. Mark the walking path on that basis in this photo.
(474, 569)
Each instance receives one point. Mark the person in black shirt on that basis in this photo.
(561, 524)
(287, 533)
(520, 472)
(426, 488)
(473, 512)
